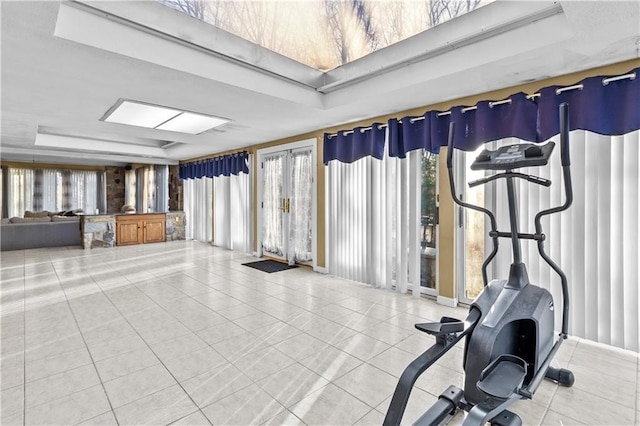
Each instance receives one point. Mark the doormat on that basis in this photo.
(269, 266)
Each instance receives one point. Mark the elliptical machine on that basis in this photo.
(509, 330)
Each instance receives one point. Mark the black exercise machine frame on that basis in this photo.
(450, 331)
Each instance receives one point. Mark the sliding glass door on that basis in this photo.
(472, 229)
(428, 221)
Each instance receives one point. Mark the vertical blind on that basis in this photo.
(373, 220)
(198, 209)
(595, 241)
(232, 212)
(217, 201)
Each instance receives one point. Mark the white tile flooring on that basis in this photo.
(182, 333)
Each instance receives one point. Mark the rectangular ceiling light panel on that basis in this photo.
(188, 122)
(143, 115)
(135, 113)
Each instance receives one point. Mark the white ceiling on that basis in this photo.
(65, 64)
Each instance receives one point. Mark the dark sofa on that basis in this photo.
(20, 236)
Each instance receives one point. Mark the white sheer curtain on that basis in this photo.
(147, 188)
(240, 210)
(272, 226)
(198, 208)
(50, 180)
(373, 220)
(19, 196)
(301, 205)
(130, 188)
(232, 211)
(221, 212)
(53, 190)
(595, 241)
(82, 191)
(161, 183)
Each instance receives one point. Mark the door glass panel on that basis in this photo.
(474, 232)
(300, 207)
(428, 221)
(273, 199)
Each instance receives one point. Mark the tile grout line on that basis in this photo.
(573, 350)
(156, 355)
(210, 346)
(24, 343)
(75, 319)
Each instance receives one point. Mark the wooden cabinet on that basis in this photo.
(128, 232)
(140, 229)
(154, 230)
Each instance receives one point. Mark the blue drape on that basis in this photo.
(474, 126)
(611, 109)
(224, 165)
(349, 146)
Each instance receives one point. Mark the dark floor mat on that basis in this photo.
(269, 266)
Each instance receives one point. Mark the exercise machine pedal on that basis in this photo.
(447, 325)
(503, 377)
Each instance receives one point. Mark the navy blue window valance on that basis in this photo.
(611, 109)
(349, 146)
(485, 122)
(225, 165)
(603, 105)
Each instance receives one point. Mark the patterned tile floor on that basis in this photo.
(182, 333)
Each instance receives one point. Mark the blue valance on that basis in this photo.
(607, 108)
(474, 126)
(225, 165)
(349, 146)
(604, 105)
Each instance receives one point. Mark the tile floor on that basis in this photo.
(182, 333)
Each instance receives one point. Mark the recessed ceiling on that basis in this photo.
(324, 34)
(65, 63)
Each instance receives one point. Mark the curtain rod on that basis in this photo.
(605, 82)
(231, 154)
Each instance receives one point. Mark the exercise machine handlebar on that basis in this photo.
(458, 201)
(566, 172)
(564, 135)
(533, 179)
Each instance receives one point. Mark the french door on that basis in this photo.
(287, 203)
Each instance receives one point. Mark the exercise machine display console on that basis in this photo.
(514, 157)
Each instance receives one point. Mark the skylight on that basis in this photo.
(141, 114)
(325, 34)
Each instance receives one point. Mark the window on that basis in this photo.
(54, 190)
(428, 220)
(147, 189)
